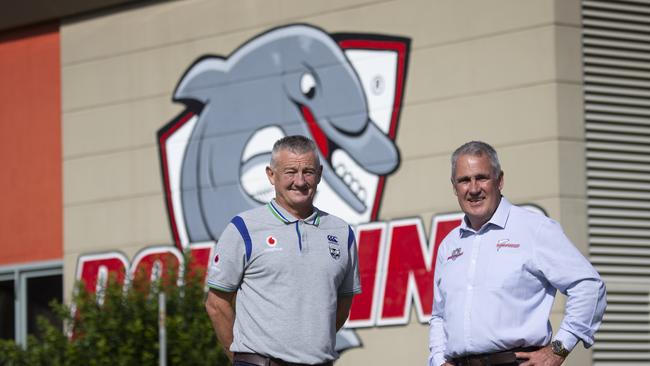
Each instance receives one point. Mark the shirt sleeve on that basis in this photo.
(437, 333)
(227, 265)
(566, 269)
(351, 283)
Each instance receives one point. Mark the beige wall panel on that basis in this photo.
(568, 53)
(501, 117)
(504, 61)
(532, 170)
(444, 21)
(572, 169)
(102, 226)
(570, 108)
(427, 22)
(116, 127)
(125, 78)
(149, 74)
(434, 22)
(401, 345)
(118, 175)
(418, 185)
(568, 12)
(176, 22)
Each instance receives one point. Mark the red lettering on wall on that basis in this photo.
(154, 263)
(408, 273)
(95, 269)
(370, 240)
(201, 254)
(409, 268)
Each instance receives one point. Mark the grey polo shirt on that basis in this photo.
(288, 274)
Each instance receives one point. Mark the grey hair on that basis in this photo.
(297, 144)
(477, 148)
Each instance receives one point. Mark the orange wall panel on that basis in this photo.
(31, 223)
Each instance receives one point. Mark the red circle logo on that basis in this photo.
(270, 241)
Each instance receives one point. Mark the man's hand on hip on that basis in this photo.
(542, 357)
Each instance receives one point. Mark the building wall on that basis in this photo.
(507, 72)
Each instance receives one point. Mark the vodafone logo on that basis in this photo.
(271, 241)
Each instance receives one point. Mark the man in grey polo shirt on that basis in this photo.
(292, 267)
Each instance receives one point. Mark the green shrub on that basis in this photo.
(123, 330)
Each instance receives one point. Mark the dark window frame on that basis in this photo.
(20, 274)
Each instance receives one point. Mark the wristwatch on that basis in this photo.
(558, 348)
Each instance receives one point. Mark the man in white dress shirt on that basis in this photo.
(497, 275)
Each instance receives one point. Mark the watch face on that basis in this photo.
(558, 348)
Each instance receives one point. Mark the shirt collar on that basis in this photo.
(498, 219)
(283, 215)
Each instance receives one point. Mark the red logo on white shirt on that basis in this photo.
(271, 241)
(505, 243)
(455, 254)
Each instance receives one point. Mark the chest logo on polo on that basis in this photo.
(335, 251)
(455, 254)
(271, 241)
(505, 243)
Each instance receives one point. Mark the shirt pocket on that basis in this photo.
(505, 270)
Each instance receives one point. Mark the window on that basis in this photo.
(7, 308)
(25, 294)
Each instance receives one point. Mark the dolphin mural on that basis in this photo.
(290, 80)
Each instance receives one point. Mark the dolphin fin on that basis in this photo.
(200, 79)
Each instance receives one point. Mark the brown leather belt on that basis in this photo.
(259, 360)
(492, 359)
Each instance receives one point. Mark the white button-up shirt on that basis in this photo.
(494, 288)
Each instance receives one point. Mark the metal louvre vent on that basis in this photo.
(625, 333)
(616, 55)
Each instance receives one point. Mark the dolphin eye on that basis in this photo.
(308, 85)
